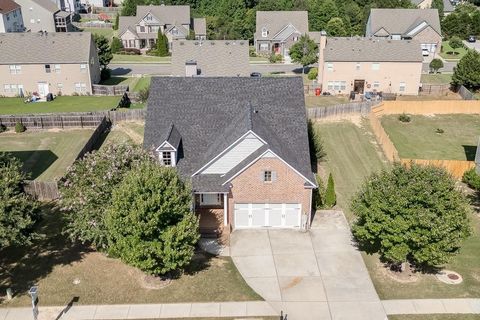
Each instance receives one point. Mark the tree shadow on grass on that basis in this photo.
(35, 162)
(470, 152)
(23, 266)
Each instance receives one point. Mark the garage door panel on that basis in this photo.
(292, 215)
(275, 215)
(241, 215)
(258, 215)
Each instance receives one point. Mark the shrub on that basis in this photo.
(330, 197)
(439, 131)
(116, 45)
(436, 64)
(404, 117)
(411, 214)
(3, 128)
(151, 52)
(150, 224)
(105, 74)
(252, 52)
(319, 194)
(313, 74)
(143, 94)
(274, 58)
(472, 178)
(132, 51)
(19, 127)
(317, 150)
(455, 43)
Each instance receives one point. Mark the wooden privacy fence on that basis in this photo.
(42, 190)
(456, 167)
(429, 107)
(383, 139)
(339, 110)
(103, 90)
(92, 141)
(71, 120)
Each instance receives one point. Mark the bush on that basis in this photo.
(411, 214)
(151, 52)
(150, 224)
(404, 117)
(252, 52)
(143, 94)
(436, 64)
(439, 131)
(330, 197)
(105, 74)
(274, 58)
(19, 127)
(472, 178)
(317, 150)
(319, 194)
(116, 45)
(130, 51)
(313, 74)
(3, 128)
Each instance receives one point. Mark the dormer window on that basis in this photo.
(166, 158)
(264, 32)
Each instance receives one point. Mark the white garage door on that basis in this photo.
(257, 215)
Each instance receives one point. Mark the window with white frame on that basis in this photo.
(375, 66)
(336, 85)
(15, 69)
(329, 66)
(83, 67)
(264, 46)
(57, 68)
(13, 88)
(267, 176)
(376, 84)
(60, 86)
(210, 199)
(264, 32)
(166, 158)
(402, 87)
(80, 87)
(142, 28)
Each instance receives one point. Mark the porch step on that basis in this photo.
(210, 233)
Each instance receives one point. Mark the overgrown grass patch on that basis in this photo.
(323, 101)
(438, 78)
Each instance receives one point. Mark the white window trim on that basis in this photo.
(375, 66)
(210, 199)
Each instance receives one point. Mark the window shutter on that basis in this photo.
(274, 176)
(262, 176)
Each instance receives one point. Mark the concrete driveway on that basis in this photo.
(472, 45)
(308, 275)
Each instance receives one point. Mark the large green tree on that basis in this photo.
(411, 214)
(304, 51)
(150, 223)
(86, 190)
(320, 13)
(336, 28)
(467, 71)
(18, 211)
(103, 49)
(162, 44)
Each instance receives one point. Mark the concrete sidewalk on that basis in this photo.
(144, 311)
(432, 306)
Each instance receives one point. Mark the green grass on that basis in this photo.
(60, 104)
(125, 132)
(418, 139)
(45, 154)
(258, 60)
(106, 32)
(114, 81)
(322, 101)
(352, 155)
(435, 317)
(446, 48)
(142, 83)
(135, 58)
(439, 78)
(54, 263)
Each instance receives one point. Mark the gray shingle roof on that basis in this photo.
(402, 21)
(48, 5)
(127, 22)
(7, 6)
(358, 49)
(215, 58)
(55, 47)
(447, 6)
(275, 21)
(416, 2)
(166, 14)
(211, 113)
(200, 26)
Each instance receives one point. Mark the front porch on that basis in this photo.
(212, 209)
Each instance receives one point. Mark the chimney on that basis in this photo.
(321, 56)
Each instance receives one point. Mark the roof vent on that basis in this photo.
(241, 43)
(181, 43)
(227, 43)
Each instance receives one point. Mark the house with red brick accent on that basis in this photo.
(242, 143)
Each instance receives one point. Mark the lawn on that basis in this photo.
(435, 317)
(60, 104)
(254, 60)
(419, 140)
(125, 132)
(107, 32)
(322, 101)
(135, 58)
(439, 78)
(142, 83)
(45, 154)
(447, 51)
(352, 155)
(115, 81)
(64, 271)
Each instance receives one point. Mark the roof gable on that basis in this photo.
(276, 21)
(401, 21)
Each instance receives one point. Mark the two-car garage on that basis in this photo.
(275, 215)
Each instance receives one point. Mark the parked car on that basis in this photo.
(255, 75)
(471, 39)
(425, 52)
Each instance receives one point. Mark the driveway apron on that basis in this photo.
(317, 274)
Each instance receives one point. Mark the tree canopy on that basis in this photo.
(413, 214)
(103, 49)
(467, 71)
(304, 51)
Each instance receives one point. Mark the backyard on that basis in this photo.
(438, 78)
(447, 52)
(135, 58)
(125, 132)
(60, 104)
(435, 317)
(63, 271)
(323, 101)
(419, 139)
(45, 154)
(106, 32)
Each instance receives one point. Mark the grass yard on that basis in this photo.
(45, 154)
(135, 58)
(60, 104)
(352, 155)
(254, 60)
(439, 78)
(115, 81)
(125, 132)
(435, 317)
(107, 32)
(55, 264)
(418, 139)
(322, 101)
(142, 83)
(447, 52)
(450, 96)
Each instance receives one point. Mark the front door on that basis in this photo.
(359, 86)
(43, 89)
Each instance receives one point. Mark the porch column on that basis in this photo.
(225, 209)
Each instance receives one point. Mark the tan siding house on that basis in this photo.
(62, 63)
(369, 65)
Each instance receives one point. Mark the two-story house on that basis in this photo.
(65, 63)
(277, 31)
(141, 31)
(422, 4)
(44, 15)
(11, 19)
(422, 25)
(369, 65)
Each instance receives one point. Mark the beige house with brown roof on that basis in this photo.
(65, 63)
(369, 65)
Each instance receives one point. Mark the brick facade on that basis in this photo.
(429, 36)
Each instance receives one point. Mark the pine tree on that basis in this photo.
(467, 71)
(162, 44)
(330, 197)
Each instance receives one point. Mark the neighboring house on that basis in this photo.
(448, 7)
(243, 145)
(141, 31)
(11, 19)
(72, 6)
(44, 15)
(42, 62)
(422, 4)
(277, 31)
(225, 58)
(422, 25)
(369, 65)
(200, 28)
